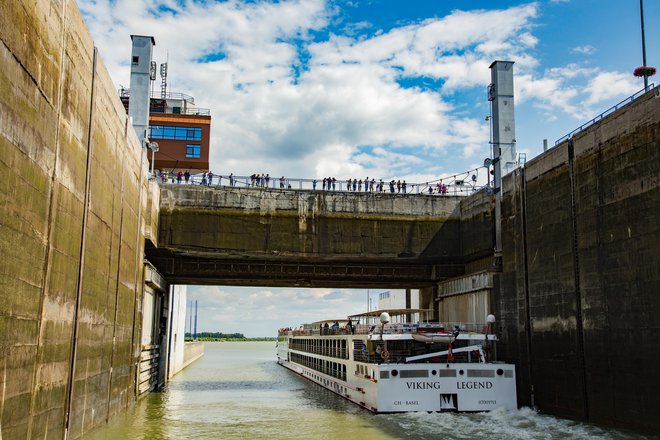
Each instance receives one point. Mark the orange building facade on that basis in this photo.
(181, 130)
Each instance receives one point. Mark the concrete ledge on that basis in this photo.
(191, 352)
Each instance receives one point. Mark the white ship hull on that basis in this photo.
(401, 387)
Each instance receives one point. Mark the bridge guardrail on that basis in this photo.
(453, 186)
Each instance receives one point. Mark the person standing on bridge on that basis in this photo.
(349, 184)
(210, 177)
(186, 175)
(179, 176)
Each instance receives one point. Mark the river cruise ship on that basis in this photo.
(383, 362)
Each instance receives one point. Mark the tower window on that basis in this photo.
(192, 151)
(175, 133)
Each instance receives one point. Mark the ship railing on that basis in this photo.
(427, 327)
(301, 333)
(396, 328)
(330, 331)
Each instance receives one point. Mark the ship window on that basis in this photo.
(414, 373)
(384, 374)
(447, 373)
(480, 373)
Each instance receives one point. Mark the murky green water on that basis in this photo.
(237, 391)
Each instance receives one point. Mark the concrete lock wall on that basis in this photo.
(178, 330)
(579, 301)
(191, 352)
(71, 220)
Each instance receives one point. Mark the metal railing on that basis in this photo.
(450, 186)
(612, 109)
(125, 93)
(196, 111)
(447, 328)
(173, 95)
(184, 111)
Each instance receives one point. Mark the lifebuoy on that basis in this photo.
(385, 354)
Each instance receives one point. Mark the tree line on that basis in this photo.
(219, 336)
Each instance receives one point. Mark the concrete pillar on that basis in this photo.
(427, 300)
(141, 76)
(500, 93)
(408, 304)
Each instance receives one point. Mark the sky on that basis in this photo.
(386, 88)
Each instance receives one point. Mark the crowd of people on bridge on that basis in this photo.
(359, 185)
(263, 180)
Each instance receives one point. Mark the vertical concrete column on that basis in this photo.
(141, 76)
(408, 304)
(500, 94)
(427, 300)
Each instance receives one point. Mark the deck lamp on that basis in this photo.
(490, 319)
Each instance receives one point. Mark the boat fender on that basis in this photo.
(385, 354)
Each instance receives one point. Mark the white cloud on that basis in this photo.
(607, 85)
(584, 50)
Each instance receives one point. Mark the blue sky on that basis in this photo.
(384, 88)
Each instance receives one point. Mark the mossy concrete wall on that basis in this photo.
(55, 109)
(580, 291)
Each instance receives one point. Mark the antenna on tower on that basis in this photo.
(163, 77)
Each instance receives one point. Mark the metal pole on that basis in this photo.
(641, 16)
(153, 154)
(195, 336)
(190, 328)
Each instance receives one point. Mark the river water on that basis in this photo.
(237, 391)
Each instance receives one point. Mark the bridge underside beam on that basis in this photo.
(199, 270)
